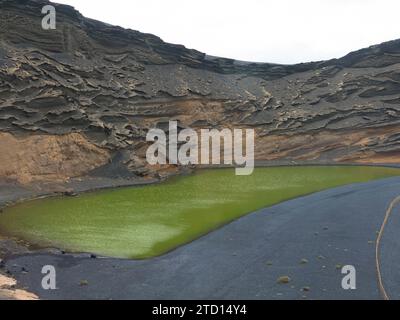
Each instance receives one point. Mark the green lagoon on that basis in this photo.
(147, 221)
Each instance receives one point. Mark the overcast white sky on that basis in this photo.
(280, 31)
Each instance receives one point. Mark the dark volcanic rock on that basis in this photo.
(110, 85)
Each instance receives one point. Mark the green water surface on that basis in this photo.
(146, 221)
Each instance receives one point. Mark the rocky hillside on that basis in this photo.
(81, 98)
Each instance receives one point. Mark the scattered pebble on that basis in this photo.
(83, 283)
(325, 228)
(321, 257)
(70, 193)
(306, 289)
(283, 279)
(269, 263)
(370, 242)
(338, 266)
(303, 261)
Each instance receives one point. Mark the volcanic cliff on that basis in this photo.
(79, 100)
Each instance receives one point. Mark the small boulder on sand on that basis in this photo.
(283, 279)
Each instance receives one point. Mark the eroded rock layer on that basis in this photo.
(8, 291)
(48, 157)
(94, 90)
